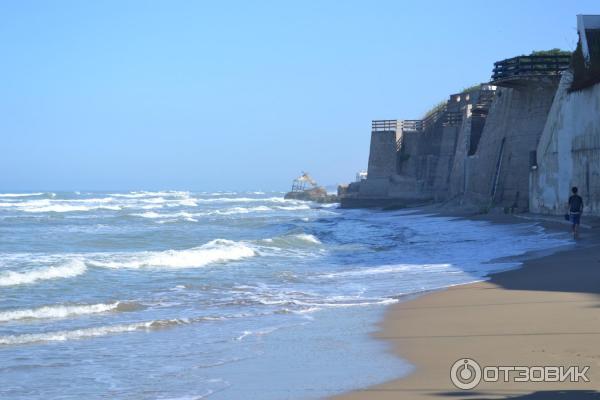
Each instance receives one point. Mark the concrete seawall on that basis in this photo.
(498, 173)
(568, 153)
(518, 143)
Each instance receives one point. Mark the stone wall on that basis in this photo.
(568, 153)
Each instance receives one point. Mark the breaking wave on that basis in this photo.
(180, 215)
(308, 238)
(68, 270)
(215, 251)
(65, 311)
(21, 194)
(48, 205)
(87, 332)
(228, 211)
(244, 200)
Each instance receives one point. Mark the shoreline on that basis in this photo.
(545, 312)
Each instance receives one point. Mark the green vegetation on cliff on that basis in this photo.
(586, 74)
(551, 52)
(436, 108)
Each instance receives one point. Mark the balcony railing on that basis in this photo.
(412, 125)
(530, 66)
(384, 125)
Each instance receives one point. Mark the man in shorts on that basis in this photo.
(575, 210)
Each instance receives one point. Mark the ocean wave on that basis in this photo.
(169, 216)
(85, 333)
(315, 306)
(113, 202)
(386, 269)
(294, 208)
(61, 206)
(141, 194)
(215, 251)
(65, 311)
(21, 194)
(240, 210)
(183, 215)
(247, 200)
(290, 242)
(308, 238)
(68, 270)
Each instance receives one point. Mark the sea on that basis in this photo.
(226, 295)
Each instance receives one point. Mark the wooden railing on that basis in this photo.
(383, 125)
(529, 66)
(412, 125)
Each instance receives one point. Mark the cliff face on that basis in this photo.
(568, 153)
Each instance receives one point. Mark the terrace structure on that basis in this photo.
(497, 172)
(523, 70)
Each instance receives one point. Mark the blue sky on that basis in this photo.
(237, 95)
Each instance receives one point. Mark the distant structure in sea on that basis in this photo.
(305, 187)
(518, 142)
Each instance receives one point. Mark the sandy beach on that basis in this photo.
(543, 314)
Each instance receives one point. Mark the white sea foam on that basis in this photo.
(308, 238)
(49, 205)
(141, 194)
(114, 202)
(246, 200)
(169, 216)
(386, 269)
(68, 270)
(61, 208)
(21, 194)
(344, 304)
(241, 210)
(87, 332)
(215, 251)
(294, 208)
(226, 211)
(60, 311)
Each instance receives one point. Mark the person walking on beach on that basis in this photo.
(575, 210)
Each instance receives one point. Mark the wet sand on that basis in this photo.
(546, 313)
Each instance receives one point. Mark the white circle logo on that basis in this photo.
(465, 374)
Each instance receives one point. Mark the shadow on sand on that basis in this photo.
(542, 395)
